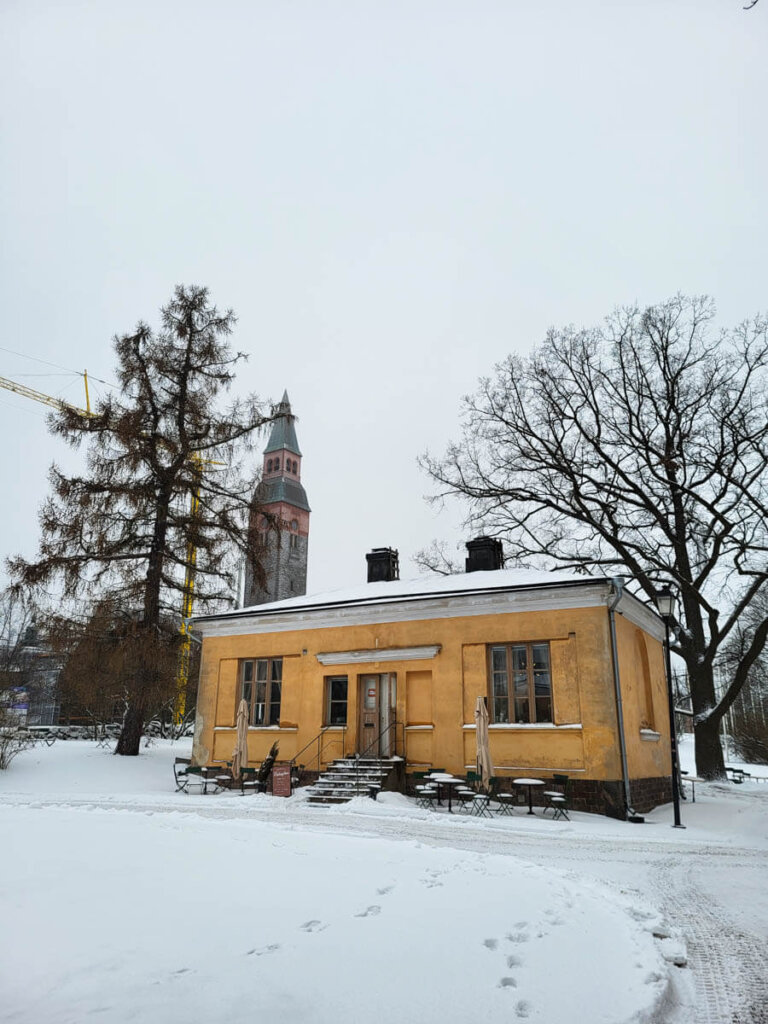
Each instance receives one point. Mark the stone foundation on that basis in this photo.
(649, 793)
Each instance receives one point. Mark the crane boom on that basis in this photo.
(39, 396)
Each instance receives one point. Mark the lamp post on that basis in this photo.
(665, 602)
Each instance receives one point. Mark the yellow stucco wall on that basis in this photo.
(436, 696)
(644, 699)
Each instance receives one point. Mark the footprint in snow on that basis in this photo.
(507, 983)
(313, 926)
(369, 911)
(523, 1008)
(517, 937)
(271, 948)
(514, 961)
(384, 890)
(490, 943)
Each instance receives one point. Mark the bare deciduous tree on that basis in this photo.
(125, 527)
(641, 448)
(106, 659)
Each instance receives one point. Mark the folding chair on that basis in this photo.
(426, 796)
(465, 798)
(506, 804)
(481, 805)
(557, 799)
(560, 808)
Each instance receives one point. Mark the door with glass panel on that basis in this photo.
(377, 698)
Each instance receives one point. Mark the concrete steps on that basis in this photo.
(348, 777)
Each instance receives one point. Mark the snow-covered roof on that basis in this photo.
(423, 587)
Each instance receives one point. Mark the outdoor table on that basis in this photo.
(530, 783)
(449, 781)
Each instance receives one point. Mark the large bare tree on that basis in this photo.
(639, 447)
(126, 526)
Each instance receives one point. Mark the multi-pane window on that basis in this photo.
(521, 683)
(336, 700)
(262, 681)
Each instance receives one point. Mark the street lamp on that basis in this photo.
(665, 603)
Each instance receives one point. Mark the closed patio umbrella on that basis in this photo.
(240, 753)
(484, 763)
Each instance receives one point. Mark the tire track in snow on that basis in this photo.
(730, 966)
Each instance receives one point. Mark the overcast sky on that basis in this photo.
(392, 196)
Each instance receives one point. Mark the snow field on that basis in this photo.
(127, 914)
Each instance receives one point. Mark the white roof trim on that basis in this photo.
(378, 654)
(641, 615)
(453, 606)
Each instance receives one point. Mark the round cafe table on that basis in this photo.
(449, 782)
(530, 783)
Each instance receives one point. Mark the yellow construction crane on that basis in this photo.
(188, 597)
(188, 592)
(54, 403)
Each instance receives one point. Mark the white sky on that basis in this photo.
(392, 196)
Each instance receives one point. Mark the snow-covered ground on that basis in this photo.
(123, 900)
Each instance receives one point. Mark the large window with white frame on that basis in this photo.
(520, 683)
(261, 689)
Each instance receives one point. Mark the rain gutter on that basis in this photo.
(618, 593)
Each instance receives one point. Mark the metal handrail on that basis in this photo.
(382, 732)
(319, 740)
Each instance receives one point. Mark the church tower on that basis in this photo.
(282, 496)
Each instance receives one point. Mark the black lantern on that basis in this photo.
(665, 602)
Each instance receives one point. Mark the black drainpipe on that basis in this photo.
(618, 588)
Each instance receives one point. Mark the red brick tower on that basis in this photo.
(281, 494)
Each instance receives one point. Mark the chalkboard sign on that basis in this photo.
(281, 780)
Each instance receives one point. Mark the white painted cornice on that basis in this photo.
(641, 615)
(378, 654)
(454, 606)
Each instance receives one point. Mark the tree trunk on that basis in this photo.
(130, 735)
(709, 752)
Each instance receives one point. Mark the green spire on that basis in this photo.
(283, 431)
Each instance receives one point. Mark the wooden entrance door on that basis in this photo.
(376, 701)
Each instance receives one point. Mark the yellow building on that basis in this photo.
(572, 668)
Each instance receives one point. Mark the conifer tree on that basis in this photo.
(126, 527)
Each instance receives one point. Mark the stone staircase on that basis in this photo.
(348, 777)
